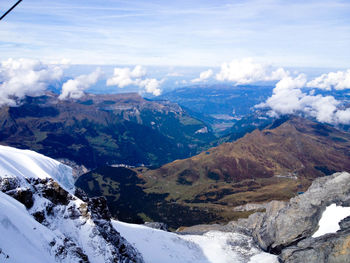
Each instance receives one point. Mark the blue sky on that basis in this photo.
(179, 33)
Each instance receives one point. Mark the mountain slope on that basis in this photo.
(276, 163)
(22, 164)
(101, 129)
(53, 225)
(41, 222)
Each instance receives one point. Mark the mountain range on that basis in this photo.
(275, 163)
(104, 129)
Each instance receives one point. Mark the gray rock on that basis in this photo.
(157, 225)
(285, 225)
(334, 248)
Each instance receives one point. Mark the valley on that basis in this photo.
(276, 163)
(103, 129)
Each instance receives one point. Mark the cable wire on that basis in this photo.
(8, 11)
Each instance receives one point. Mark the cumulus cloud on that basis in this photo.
(203, 76)
(151, 86)
(288, 98)
(123, 77)
(22, 77)
(343, 116)
(247, 71)
(74, 88)
(338, 80)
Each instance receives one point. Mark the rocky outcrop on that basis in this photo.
(299, 218)
(286, 229)
(333, 248)
(157, 225)
(82, 227)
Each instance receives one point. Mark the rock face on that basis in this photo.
(157, 225)
(333, 248)
(299, 219)
(286, 229)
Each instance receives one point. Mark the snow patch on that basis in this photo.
(329, 222)
(157, 246)
(263, 258)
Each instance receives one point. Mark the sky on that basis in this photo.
(179, 33)
(300, 48)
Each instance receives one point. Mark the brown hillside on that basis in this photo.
(275, 163)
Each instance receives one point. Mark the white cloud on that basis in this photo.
(203, 76)
(22, 77)
(286, 95)
(246, 71)
(338, 80)
(343, 116)
(74, 88)
(151, 86)
(123, 77)
(288, 98)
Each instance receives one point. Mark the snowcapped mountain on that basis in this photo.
(42, 221)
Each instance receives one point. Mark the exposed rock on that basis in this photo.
(57, 209)
(157, 225)
(345, 223)
(201, 229)
(8, 183)
(287, 228)
(333, 248)
(23, 195)
(98, 207)
(283, 225)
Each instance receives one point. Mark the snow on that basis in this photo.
(157, 246)
(263, 258)
(329, 222)
(22, 238)
(28, 164)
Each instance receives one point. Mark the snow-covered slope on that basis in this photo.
(22, 239)
(157, 246)
(42, 221)
(23, 164)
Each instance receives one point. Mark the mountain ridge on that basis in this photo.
(103, 129)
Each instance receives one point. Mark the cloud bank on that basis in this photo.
(123, 77)
(22, 77)
(247, 71)
(338, 80)
(74, 88)
(203, 76)
(289, 98)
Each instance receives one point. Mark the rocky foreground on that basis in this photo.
(287, 228)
